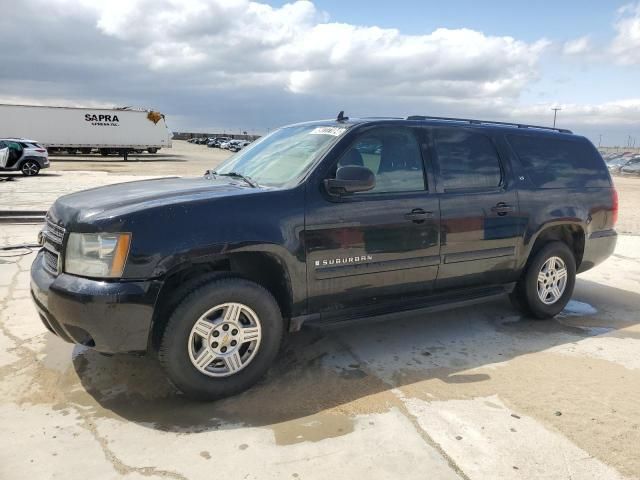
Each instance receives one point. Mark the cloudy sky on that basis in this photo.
(241, 65)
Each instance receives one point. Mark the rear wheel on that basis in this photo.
(30, 168)
(152, 150)
(221, 338)
(547, 284)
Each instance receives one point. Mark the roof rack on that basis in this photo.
(487, 122)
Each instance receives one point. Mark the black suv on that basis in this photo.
(322, 221)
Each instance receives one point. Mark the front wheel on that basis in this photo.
(221, 338)
(30, 168)
(547, 284)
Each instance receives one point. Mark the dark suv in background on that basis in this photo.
(322, 221)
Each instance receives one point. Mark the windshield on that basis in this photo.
(282, 156)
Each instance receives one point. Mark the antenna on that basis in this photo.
(341, 117)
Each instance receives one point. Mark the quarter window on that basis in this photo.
(393, 155)
(553, 162)
(468, 160)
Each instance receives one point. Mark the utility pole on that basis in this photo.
(555, 114)
(600, 141)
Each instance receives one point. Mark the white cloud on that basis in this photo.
(294, 47)
(619, 112)
(626, 45)
(244, 64)
(578, 46)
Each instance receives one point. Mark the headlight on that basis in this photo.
(100, 255)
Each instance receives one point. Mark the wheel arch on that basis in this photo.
(262, 267)
(571, 233)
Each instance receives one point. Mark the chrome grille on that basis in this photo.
(54, 232)
(53, 238)
(51, 262)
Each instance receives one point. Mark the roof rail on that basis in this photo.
(487, 122)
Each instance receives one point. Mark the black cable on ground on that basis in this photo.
(21, 245)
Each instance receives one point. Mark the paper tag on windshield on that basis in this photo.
(334, 131)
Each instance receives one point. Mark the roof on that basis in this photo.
(435, 121)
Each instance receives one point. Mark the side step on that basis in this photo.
(435, 303)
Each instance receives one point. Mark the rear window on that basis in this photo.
(560, 163)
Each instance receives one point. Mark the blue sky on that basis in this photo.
(527, 20)
(254, 65)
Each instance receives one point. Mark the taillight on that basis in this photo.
(614, 206)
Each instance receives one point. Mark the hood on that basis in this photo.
(123, 198)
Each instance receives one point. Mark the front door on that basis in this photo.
(4, 155)
(378, 246)
(480, 226)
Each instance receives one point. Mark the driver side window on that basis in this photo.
(393, 155)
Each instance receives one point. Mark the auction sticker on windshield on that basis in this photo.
(335, 131)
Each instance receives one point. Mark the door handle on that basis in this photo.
(418, 215)
(502, 209)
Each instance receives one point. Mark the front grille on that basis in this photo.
(54, 232)
(54, 236)
(51, 261)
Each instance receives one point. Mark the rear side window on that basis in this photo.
(467, 159)
(559, 163)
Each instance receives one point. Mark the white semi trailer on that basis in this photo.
(112, 130)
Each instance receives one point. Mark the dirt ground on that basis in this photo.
(476, 392)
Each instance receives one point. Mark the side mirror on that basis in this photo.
(350, 179)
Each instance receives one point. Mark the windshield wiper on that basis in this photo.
(249, 181)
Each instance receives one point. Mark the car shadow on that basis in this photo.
(321, 368)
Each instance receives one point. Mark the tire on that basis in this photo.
(183, 344)
(71, 151)
(30, 168)
(546, 302)
(152, 150)
(85, 151)
(104, 152)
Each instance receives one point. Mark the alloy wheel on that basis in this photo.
(552, 280)
(224, 340)
(30, 168)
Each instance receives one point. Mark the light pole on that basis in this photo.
(600, 141)
(555, 114)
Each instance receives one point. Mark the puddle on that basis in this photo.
(579, 309)
(57, 354)
(313, 428)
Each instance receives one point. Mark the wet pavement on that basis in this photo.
(476, 392)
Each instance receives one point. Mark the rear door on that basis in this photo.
(376, 247)
(4, 155)
(480, 226)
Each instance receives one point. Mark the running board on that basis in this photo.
(438, 302)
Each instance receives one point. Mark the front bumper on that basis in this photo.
(110, 316)
(597, 248)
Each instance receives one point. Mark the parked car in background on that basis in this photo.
(616, 163)
(220, 140)
(238, 145)
(27, 156)
(632, 167)
(215, 141)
